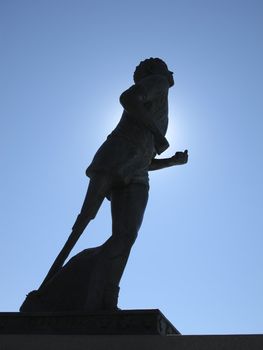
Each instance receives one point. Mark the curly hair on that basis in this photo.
(147, 67)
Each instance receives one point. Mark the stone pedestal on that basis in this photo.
(139, 322)
(130, 342)
(123, 330)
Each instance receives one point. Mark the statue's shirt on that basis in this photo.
(126, 154)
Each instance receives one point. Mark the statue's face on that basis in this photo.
(163, 70)
(170, 78)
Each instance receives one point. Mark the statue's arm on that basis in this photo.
(133, 101)
(178, 159)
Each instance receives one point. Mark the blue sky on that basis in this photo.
(64, 64)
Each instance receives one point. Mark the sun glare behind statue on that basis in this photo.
(94, 125)
(107, 116)
(113, 115)
(174, 135)
(114, 112)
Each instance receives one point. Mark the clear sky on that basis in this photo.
(64, 64)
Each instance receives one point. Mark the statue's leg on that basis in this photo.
(98, 189)
(127, 207)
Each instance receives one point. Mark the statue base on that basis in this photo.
(119, 322)
(128, 329)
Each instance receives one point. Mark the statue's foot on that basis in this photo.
(33, 303)
(114, 309)
(110, 298)
(103, 300)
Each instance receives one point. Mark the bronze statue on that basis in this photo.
(118, 171)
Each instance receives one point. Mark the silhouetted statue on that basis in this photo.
(119, 171)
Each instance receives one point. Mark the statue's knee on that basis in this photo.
(130, 238)
(125, 238)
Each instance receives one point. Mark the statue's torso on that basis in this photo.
(129, 149)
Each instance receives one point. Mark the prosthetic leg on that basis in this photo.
(97, 191)
(98, 188)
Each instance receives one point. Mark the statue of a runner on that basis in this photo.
(118, 171)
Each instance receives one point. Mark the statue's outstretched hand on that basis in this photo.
(180, 158)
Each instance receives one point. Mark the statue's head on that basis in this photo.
(152, 66)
